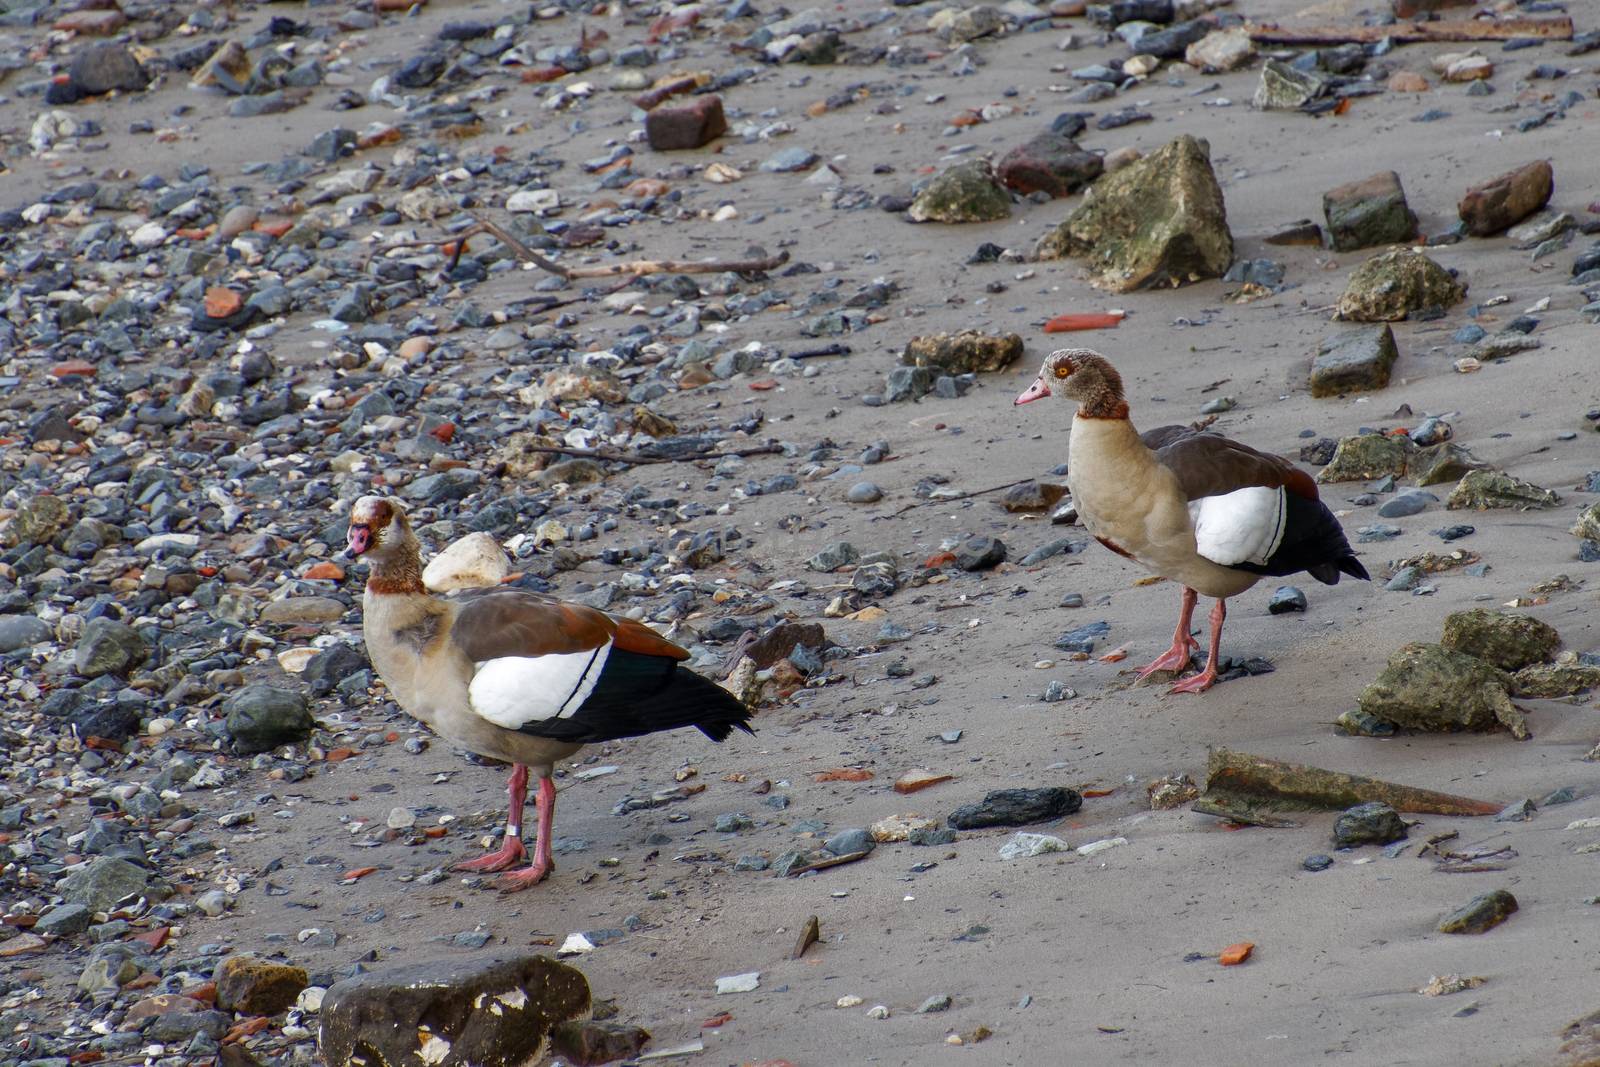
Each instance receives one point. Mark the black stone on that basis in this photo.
(1368, 824)
(1016, 807)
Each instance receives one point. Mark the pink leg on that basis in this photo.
(1176, 658)
(545, 803)
(511, 850)
(1199, 683)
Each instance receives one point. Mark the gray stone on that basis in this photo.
(980, 553)
(1286, 599)
(934, 1004)
(790, 159)
(1354, 361)
(1372, 211)
(1481, 913)
(839, 554)
(103, 882)
(108, 647)
(63, 920)
(863, 493)
(104, 67)
(1368, 824)
(22, 631)
(847, 842)
(261, 717)
(1411, 503)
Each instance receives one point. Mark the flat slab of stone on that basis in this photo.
(1355, 361)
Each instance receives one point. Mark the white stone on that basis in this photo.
(576, 945)
(739, 983)
(310, 999)
(167, 542)
(401, 818)
(1100, 846)
(538, 201)
(476, 561)
(148, 236)
(1024, 844)
(294, 660)
(1221, 50)
(849, 1000)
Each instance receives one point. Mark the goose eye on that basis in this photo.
(1063, 370)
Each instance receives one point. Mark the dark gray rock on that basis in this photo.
(103, 882)
(1370, 212)
(1354, 361)
(1016, 807)
(1368, 824)
(261, 717)
(64, 920)
(1285, 599)
(22, 631)
(104, 67)
(1481, 913)
(108, 647)
(980, 553)
(846, 842)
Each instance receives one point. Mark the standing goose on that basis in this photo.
(514, 676)
(1195, 507)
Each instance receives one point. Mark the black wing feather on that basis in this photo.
(1314, 542)
(640, 694)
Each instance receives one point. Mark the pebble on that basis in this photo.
(864, 493)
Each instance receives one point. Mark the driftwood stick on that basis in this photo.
(611, 456)
(1558, 28)
(959, 499)
(631, 269)
(678, 266)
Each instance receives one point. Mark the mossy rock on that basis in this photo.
(1367, 455)
(1507, 641)
(1430, 687)
(1441, 463)
(1559, 679)
(1485, 490)
(1388, 287)
(1588, 524)
(38, 521)
(1160, 221)
(967, 192)
(967, 352)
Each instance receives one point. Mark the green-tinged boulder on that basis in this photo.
(108, 647)
(1481, 913)
(1390, 286)
(102, 882)
(1159, 221)
(1283, 88)
(38, 521)
(1354, 361)
(1564, 678)
(1430, 687)
(1507, 641)
(967, 192)
(1588, 524)
(490, 1012)
(1438, 464)
(967, 352)
(1364, 456)
(1372, 211)
(1485, 490)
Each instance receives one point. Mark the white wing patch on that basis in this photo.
(1244, 526)
(515, 690)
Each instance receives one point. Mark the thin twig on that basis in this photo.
(955, 500)
(634, 457)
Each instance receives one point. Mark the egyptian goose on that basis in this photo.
(515, 676)
(1195, 507)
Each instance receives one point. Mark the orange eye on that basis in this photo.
(1063, 370)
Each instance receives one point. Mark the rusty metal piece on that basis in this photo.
(1243, 781)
